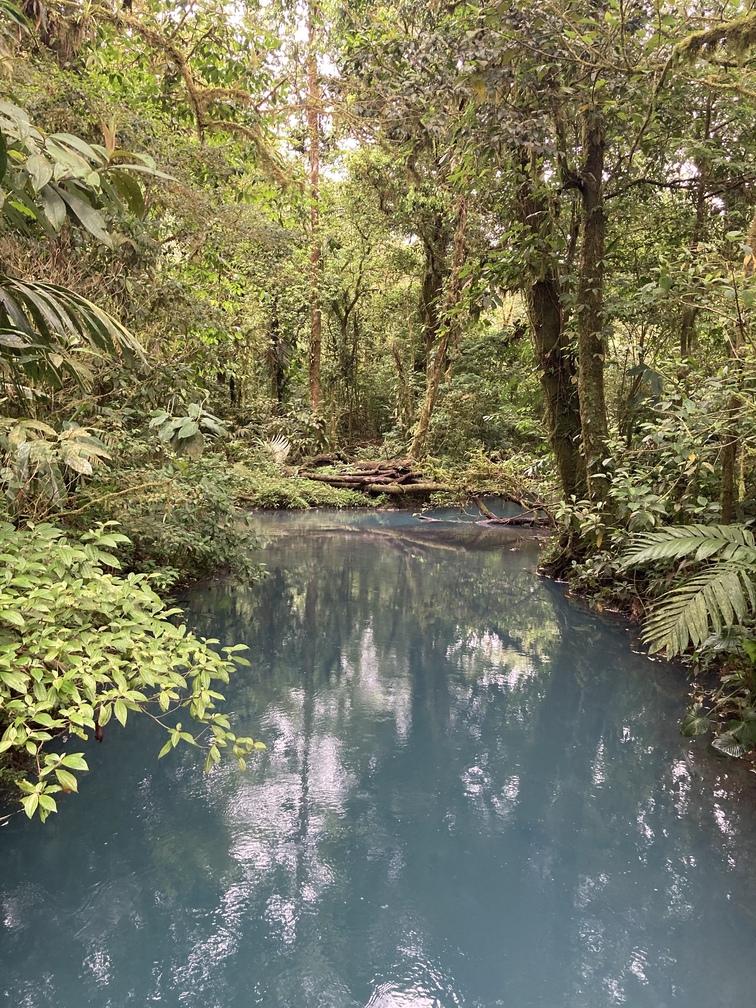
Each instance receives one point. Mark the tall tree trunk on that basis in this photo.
(435, 245)
(277, 353)
(730, 455)
(558, 379)
(554, 352)
(404, 403)
(590, 304)
(450, 327)
(316, 252)
(690, 313)
(729, 463)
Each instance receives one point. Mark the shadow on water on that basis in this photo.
(473, 795)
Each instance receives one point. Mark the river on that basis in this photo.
(474, 794)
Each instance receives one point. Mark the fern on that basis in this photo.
(692, 542)
(712, 601)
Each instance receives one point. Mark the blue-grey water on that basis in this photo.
(474, 794)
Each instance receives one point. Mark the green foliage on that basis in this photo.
(714, 599)
(51, 178)
(80, 645)
(48, 332)
(183, 517)
(186, 434)
(213, 275)
(38, 464)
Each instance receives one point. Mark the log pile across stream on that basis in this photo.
(396, 478)
(401, 478)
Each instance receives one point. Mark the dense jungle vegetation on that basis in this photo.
(508, 243)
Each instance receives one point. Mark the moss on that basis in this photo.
(739, 34)
(264, 490)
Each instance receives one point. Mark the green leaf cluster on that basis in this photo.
(48, 178)
(38, 464)
(715, 598)
(187, 433)
(80, 645)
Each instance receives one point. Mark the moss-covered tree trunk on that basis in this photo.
(435, 270)
(556, 363)
(553, 349)
(590, 304)
(448, 322)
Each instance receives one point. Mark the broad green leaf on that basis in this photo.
(129, 189)
(92, 220)
(79, 464)
(67, 780)
(79, 145)
(40, 170)
(30, 804)
(15, 680)
(47, 803)
(53, 206)
(188, 430)
(729, 745)
(694, 724)
(14, 617)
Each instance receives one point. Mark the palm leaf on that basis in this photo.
(692, 542)
(44, 325)
(712, 601)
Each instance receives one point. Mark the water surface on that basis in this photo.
(473, 794)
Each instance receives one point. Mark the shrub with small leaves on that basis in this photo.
(79, 646)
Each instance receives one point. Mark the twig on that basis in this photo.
(116, 493)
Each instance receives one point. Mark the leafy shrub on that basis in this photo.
(182, 518)
(79, 646)
(710, 607)
(718, 592)
(39, 465)
(186, 433)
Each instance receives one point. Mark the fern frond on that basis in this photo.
(692, 542)
(712, 601)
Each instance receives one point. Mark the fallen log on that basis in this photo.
(519, 521)
(334, 478)
(484, 510)
(364, 479)
(527, 520)
(407, 489)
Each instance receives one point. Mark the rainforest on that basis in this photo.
(294, 255)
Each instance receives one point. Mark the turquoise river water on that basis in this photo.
(474, 794)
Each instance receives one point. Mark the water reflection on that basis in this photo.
(470, 797)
